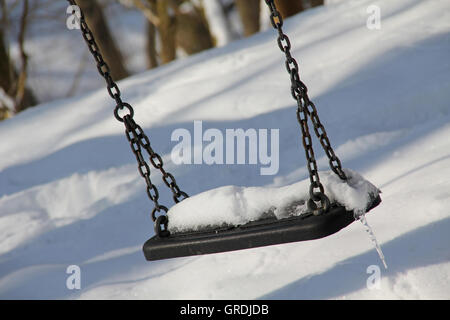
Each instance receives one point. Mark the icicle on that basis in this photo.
(362, 217)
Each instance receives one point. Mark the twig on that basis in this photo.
(78, 75)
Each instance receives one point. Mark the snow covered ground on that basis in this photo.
(70, 193)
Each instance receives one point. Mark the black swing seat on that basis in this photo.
(264, 232)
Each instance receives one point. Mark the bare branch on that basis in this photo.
(78, 76)
(148, 12)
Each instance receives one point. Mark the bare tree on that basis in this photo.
(15, 93)
(93, 13)
(249, 13)
(185, 29)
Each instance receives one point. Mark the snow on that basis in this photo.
(232, 205)
(70, 193)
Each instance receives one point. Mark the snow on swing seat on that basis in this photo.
(234, 206)
(233, 218)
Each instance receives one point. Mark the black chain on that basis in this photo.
(139, 138)
(305, 108)
(135, 135)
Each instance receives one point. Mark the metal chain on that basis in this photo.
(135, 135)
(305, 108)
(155, 159)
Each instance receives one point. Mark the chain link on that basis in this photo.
(137, 138)
(305, 109)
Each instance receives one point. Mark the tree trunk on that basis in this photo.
(9, 82)
(166, 29)
(193, 33)
(7, 73)
(152, 61)
(6, 79)
(249, 13)
(316, 3)
(288, 8)
(96, 20)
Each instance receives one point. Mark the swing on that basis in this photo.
(322, 218)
